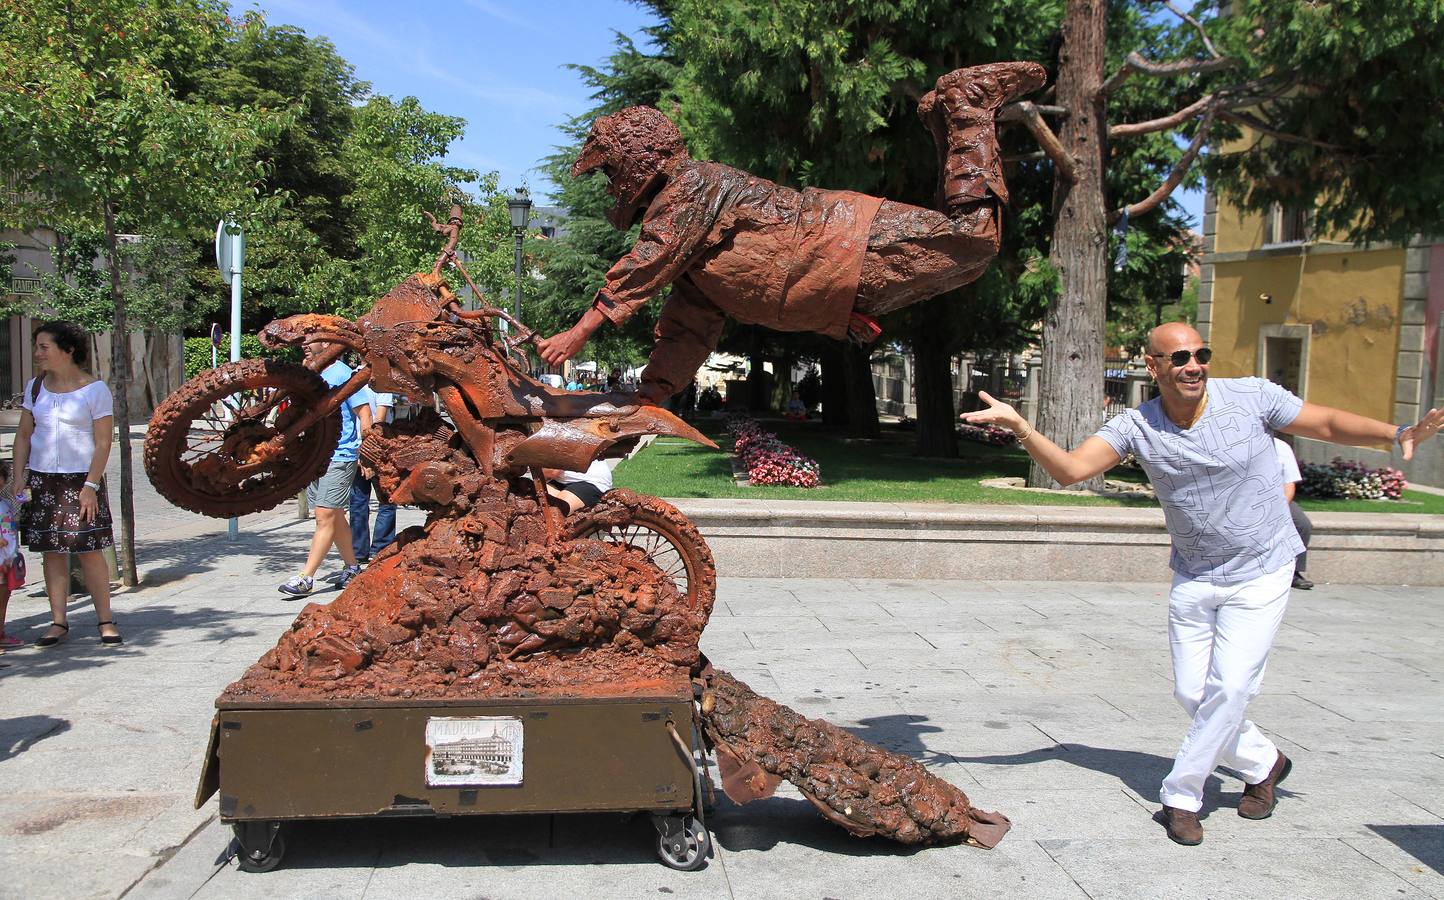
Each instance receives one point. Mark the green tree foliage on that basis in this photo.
(1346, 103)
(101, 141)
(393, 152)
(348, 180)
(158, 279)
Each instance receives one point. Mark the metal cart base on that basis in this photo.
(277, 762)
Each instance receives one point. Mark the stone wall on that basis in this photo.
(819, 539)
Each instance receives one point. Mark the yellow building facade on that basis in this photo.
(1340, 324)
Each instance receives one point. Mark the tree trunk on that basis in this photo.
(1071, 401)
(932, 343)
(833, 365)
(861, 395)
(937, 434)
(120, 374)
(756, 374)
(782, 386)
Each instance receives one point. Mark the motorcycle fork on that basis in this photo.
(550, 514)
(481, 438)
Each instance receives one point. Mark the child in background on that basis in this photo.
(11, 565)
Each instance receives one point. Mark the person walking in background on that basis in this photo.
(61, 450)
(1205, 445)
(1289, 471)
(363, 542)
(12, 564)
(330, 495)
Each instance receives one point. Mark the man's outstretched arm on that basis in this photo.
(1092, 457)
(1324, 423)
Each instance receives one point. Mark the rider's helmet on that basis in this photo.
(637, 148)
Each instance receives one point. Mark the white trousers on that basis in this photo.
(1220, 636)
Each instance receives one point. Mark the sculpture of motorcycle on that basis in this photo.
(244, 437)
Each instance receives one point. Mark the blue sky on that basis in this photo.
(498, 64)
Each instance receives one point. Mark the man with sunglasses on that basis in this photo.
(1207, 447)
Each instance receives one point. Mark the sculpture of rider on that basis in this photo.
(732, 244)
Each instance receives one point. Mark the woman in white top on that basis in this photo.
(64, 442)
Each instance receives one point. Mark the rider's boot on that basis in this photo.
(960, 112)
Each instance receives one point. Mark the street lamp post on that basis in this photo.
(519, 205)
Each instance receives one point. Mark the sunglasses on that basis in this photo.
(1180, 357)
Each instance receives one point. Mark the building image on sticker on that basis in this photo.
(491, 754)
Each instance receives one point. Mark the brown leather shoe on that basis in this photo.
(1258, 800)
(1183, 826)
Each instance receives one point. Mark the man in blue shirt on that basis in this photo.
(1207, 447)
(330, 494)
(363, 541)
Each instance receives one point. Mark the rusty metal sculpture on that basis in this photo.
(732, 244)
(498, 595)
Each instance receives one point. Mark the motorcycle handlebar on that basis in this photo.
(452, 230)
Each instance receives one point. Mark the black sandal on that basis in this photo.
(110, 640)
(52, 641)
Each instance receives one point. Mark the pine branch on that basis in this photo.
(1032, 119)
(1198, 26)
(1166, 122)
(1135, 62)
(1175, 177)
(1254, 123)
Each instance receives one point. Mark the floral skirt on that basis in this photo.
(51, 520)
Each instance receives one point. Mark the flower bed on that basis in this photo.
(1351, 480)
(988, 434)
(768, 460)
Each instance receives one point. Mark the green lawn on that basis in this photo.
(885, 470)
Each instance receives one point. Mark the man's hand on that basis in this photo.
(1421, 431)
(997, 413)
(562, 346)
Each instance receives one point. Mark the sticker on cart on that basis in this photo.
(473, 751)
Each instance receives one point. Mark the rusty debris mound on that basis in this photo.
(452, 612)
(860, 786)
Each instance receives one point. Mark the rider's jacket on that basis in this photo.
(733, 244)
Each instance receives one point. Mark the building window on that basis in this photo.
(1283, 356)
(1287, 223)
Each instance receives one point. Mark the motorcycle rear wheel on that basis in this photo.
(660, 531)
(229, 417)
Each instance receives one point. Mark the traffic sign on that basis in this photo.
(230, 249)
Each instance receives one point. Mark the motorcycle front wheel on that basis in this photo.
(660, 531)
(214, 446)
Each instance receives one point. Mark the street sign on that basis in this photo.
(230, 259)
(230, 249)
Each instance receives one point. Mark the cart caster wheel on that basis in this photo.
(259, 846)
(682, 844)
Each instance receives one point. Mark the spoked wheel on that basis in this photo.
(659, 530)
(214, 446)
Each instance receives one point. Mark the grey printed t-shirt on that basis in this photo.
(1218, 481)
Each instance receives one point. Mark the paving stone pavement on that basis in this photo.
(1048, 701)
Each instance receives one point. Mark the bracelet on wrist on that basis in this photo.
(1399, 433)
(1025, 434)
(93, 486)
